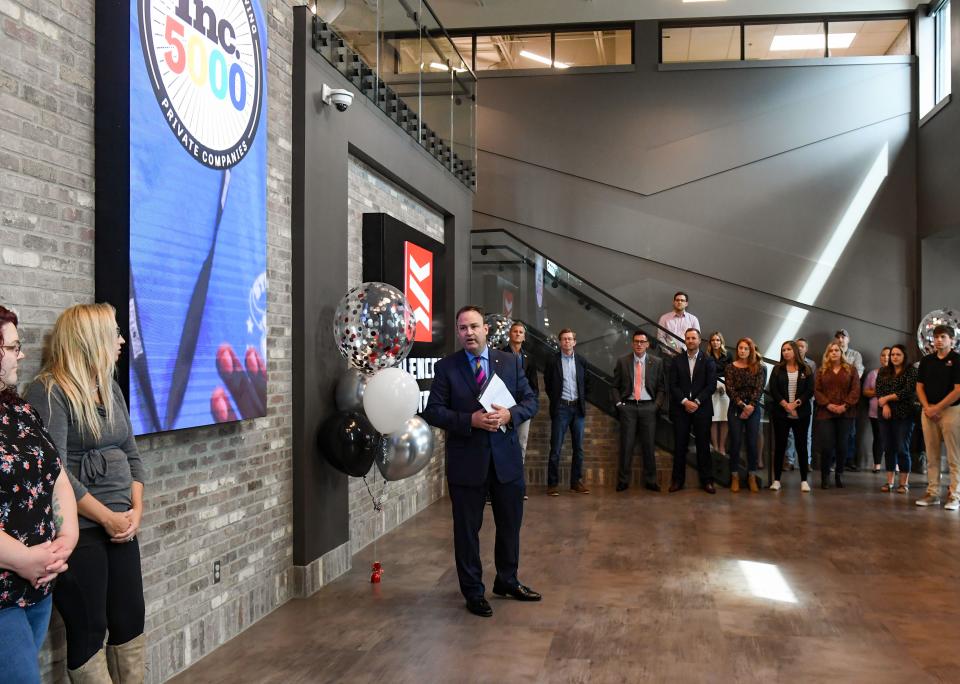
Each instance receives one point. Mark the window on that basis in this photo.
(513, 51)
(773, 40)
(593, 48)
(700, 43)
(941, 40)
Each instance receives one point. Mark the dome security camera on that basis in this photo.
(339, 98)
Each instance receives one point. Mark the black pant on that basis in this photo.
(101, 591)
(877, 441)
(783, 426)
(682, 424)
(637, 420)
(832, 436)
(506, 499)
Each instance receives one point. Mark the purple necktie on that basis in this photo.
(479, 374)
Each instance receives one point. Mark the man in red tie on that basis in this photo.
(639, 389)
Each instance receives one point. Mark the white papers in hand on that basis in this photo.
(496, 393)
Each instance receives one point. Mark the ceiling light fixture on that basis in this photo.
(444, 67)
(542, 60)
(686, 1)
(837, 41)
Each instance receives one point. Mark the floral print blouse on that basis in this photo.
(29, 466)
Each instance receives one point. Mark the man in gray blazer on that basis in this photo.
(640, 388)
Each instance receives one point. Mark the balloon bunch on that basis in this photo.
(377, 423)
(931, 321)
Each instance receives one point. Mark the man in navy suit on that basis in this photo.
(482, 458)
(565, 382)
(692, 379)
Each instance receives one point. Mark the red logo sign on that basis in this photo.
(418, 276)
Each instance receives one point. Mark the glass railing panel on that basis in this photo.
(463, 136)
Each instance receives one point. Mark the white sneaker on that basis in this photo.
(928, 500)
(953, 504)
(804, 486)
(775, 486)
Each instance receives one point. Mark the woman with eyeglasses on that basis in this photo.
(716, 348)
(38, 519)
(869, 390)
(837, 392)
(896, 397)
(101, 595)
(745, 378)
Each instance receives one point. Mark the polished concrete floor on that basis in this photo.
(849, 585)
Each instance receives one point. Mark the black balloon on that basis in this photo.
(349, 443)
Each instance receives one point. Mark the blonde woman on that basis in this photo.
(101, 594)
(837, 391)
(717, 350)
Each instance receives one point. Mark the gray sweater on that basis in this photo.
(104, 468)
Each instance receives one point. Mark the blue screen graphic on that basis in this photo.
(197, 234)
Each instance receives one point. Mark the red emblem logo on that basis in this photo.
(418, 276)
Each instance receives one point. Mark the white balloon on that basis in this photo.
(391, 398)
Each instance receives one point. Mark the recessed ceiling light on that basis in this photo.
(543, 60)
(814, 41)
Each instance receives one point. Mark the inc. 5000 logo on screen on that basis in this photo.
(207, 71)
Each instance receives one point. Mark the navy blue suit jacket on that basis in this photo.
(453, 399)
(700, 388)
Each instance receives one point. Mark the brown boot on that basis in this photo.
(125, 662)
(94, 671)
(752, 483)
(579, 487)
(735, 483)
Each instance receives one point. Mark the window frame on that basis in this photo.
(941, 14)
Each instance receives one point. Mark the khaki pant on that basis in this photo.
(945, 431)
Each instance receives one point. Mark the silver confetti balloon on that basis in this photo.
(374, 327)
(931, 321)
(405, 452)
(350, 388)
(499, 333)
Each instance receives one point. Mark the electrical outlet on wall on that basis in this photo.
(216, 571)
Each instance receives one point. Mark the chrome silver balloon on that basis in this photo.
(350, 389)
(374, 327)
(932, 320)
(407, 451)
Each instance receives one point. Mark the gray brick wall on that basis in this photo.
(369, 192)
(218, 493)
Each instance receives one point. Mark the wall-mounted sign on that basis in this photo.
(418, 280)
(181, 204)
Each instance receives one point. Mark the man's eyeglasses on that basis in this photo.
(15, 348)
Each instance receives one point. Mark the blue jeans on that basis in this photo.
(568, 417)
(895, 435)
(23, 631)
(738, 426)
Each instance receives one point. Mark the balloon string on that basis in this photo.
(377, 507)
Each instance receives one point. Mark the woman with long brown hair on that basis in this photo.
(837, 391)
(745, 378)
(896, 397)
(717, 350)
(38, 518)
(101, 595)
(791, 386)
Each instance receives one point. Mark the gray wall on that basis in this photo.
(728, 183)
(938, 144)
(323, 141)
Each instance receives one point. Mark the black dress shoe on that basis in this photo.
(709, 488)
(838, 480)
(675, 487)
(621, 486)
(652, 486)
(824, 482)
(519, 592)
(854, 468)
(479, 606)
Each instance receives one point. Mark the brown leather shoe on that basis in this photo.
(579, 488)
(735, 483)
(553, 491)
(752, 483)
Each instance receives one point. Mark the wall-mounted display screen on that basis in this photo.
(188, 204)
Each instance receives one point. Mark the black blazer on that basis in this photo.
(700, 388)
(654, 380)
(453, 399)
(553, 384)
(529, 367)
(779, 387)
